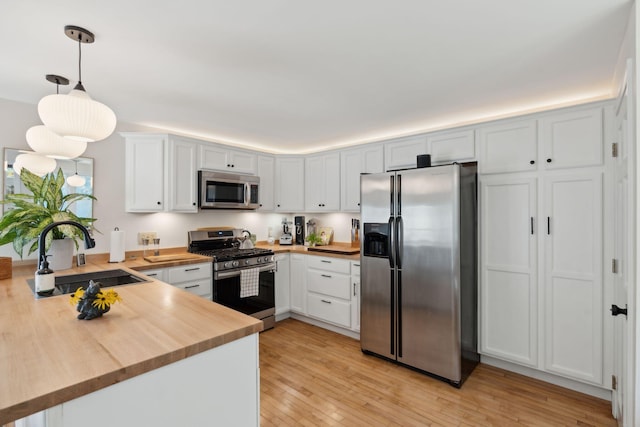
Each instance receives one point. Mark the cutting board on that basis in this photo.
(171, 257)
(335, 249)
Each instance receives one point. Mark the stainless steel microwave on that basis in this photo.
(217, 190)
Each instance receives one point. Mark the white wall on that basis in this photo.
(16, 118)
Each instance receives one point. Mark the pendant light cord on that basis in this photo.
(80, 60)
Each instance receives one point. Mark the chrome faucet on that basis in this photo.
(45, 281)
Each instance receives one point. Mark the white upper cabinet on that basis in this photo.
(160, 173)
(508, 147)
(145, 172)
(222, 158)
(182, 184)
(402, 153)
(353, 162)
(572, 139)
(289, 184)
(266, 172)
(447, 147)
(322, 183)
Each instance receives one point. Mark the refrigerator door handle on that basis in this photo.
(399, 240)
(391, 192)
(399, 320)
(391, 245)
(399, 193)
(393, 315)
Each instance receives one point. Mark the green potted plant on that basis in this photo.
(313, 239)
(31, 213)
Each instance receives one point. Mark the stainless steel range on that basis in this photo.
(243, 278)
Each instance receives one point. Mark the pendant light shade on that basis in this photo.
(47, 143)
(76, 180)
(34, 163)
(76, 116)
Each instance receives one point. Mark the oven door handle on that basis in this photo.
(235, 273)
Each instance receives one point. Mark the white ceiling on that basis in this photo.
(297, 76)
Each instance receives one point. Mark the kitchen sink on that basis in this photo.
(107, 278)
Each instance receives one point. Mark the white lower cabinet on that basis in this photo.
(329, 290)
(194, 278)
(283, 288)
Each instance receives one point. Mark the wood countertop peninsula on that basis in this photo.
(48, 356)
(300, 249)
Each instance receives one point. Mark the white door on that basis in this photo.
(574, 308)
(622, 399)
(508, 294)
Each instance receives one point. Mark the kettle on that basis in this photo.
(245, 240)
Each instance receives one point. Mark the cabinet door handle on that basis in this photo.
(532, 162)
(548, 225)
(326, 275)
(531, 225)
(325, 301)
(354, 289)
(548, 160)
(192, 286)
(192, 269)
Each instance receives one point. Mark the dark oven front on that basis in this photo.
(226, 291)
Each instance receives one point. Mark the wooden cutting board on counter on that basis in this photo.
(335, 249)
(171, 257)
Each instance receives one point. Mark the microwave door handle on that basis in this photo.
(246, 194)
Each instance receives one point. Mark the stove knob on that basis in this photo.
(236, 263)
(246, 261)
(228, 264)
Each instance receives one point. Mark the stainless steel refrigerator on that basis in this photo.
(419, 269)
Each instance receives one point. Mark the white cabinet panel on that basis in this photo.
(355, 296)
(182, 183)
(329, 264)
(329, 283)
(402, 153)
(145, 173)
(573, 275)
(266, 172)
(353, 162)
(189, 272)
(508, 147)
(283, 289)
(447, 147)
(322, 183)
(298, 283)
(289, 184)
(220, 157)
(508, 268)
(572, 139)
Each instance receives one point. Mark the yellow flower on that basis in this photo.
(76, 296)
(111, 296)
(101, 301)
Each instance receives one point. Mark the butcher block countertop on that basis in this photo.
(335, 250)
(48, 356)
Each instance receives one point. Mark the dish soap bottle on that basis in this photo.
(45, 279)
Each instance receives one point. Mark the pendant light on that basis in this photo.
(47, 143)
(76, 116)
(34, 163)
(76, 180)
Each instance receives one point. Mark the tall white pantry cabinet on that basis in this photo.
(541, 267)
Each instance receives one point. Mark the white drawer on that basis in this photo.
(157, 274)
(329, 309)
(329, 283)
(197, 287)
(329, 264)
(355, 268)
(189, 272)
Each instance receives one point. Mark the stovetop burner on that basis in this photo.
(224, 247)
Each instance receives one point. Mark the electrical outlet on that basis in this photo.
(150, 235)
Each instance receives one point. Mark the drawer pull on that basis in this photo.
(356, 265)
(192, 286)
(192, 269)
(354, 289)
(325, 301)
(326, 275)
(325, 261)
(152, 274)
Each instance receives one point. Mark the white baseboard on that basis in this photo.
(325, 325)
(589, 389)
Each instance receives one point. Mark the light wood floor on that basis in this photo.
(310, 376)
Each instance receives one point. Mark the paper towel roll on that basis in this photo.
(116, 253)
